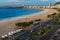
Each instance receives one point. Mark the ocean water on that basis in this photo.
(14, 12)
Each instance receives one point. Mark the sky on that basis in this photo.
(23, 0)
(20, 2)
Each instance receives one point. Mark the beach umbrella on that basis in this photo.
(3, 38)
(6, 35)
(11, 35)
(19, 30)
(14, 32)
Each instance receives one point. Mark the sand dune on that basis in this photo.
(7, 25)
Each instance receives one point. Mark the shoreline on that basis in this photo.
(8, 25)
(19, 16)
(23, 13)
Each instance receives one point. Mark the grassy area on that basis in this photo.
(55, 17)
(44, 29)
(25, 24)
(49, 16)
(41, 31)
(58, 16)
(58, 9)
(32, 34)
(38, 20)
(57, 3)
(53, 22)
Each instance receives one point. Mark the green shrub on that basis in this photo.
(41, 30)
(49, 16)
(38, 20)
(54, 14)
(58, 9)
(58, 16)
(32, 34)
(53, 22)
(24, 24)
(44, 29)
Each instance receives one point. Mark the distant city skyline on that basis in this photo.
(25, 2)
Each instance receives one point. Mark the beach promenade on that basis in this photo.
(8, 25)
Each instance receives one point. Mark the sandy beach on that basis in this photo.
(8, 25)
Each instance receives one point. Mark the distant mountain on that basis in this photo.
(7, 7)
(57, 3)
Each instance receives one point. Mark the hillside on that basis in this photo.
(57, 3)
